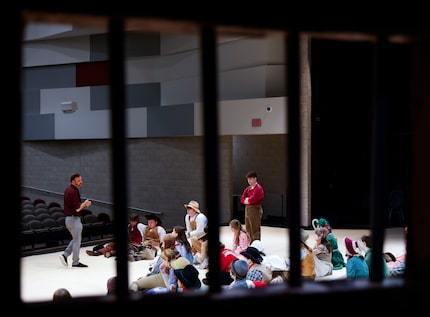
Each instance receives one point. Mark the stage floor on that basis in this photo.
(42, 274)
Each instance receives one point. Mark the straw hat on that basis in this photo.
(179, 263)
(194, 205)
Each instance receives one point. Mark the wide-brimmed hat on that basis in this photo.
(253, 254)
(352, 246)
(194, 205)
(189, 276)
(154, 217)
(179, 263)
(239, 268)
(259, 246)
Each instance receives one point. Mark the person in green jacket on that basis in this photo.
(367, 246)
(337, 258)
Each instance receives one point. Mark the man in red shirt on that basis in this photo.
(252, 197)
(72, 209)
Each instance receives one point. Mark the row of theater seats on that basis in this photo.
(43, 225)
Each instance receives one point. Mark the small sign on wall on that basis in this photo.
(256, 123)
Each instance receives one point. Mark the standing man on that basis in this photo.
(72, 208)
(252, 197)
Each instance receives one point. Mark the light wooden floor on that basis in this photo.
(42, 274)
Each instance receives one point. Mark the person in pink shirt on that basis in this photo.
(240, 237)
(397, 264)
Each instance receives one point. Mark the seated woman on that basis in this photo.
(396, 265)
(163, 279)
(336, 258)
(322, 253)
(240, 237)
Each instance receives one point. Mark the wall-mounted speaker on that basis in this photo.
(69, 106)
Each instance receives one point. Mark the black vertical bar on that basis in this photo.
(12, 141)
(378, 159)
(293, 146)
(210, 116)
(119, 158)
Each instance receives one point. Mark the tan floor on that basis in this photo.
(42, 274)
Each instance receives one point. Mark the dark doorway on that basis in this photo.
(342, 100)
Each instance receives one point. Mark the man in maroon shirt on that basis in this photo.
(72, 208)
(252, 197)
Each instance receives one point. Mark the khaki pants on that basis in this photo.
(253, 216)
(147, 282)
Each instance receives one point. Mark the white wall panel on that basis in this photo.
(51, 99)
(235, 116)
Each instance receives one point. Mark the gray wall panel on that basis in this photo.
(143, 95)
(137, 44)
(100, 98)
(31, 101)
(60, 76)
(39, 127)
(171, 121)
(142, 44)
(98, 47)
(139, 95)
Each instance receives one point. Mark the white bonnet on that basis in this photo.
(276, 263)
(259, 246)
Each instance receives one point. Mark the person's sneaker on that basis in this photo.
(79, 265)
(63, 260)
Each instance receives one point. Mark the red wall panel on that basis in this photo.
(92, 74)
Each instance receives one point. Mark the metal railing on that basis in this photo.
(94, 201)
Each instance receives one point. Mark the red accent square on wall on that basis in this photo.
(256, 123)
(92, 74)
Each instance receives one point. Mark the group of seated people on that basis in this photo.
(324, 257)
(144, 239)
(178, 256)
